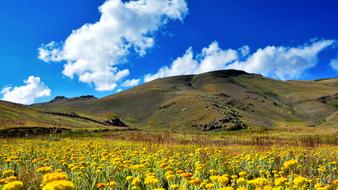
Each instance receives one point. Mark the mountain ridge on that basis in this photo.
(218, 100)
(182, 102)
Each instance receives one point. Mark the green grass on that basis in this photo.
(335, 105)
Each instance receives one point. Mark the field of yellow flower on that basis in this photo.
(94, 163)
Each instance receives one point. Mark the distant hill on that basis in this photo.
(62, 99)
(227, 99)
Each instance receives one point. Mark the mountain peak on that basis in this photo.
(58, 98)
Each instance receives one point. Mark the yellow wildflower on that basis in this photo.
(290, 164)
(59, 185)
(136, 181)
(14, 185)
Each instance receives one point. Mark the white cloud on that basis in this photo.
(283, 62)
(272, 61)
(95, 51)
(210, 59)
(244, 51)
(27, 94)
(131, 83)
(334, 64)
(49, 52)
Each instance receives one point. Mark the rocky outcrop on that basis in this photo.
(231, 121)
(325, 99)
(115, 122)
(63, 98)
(165, 106)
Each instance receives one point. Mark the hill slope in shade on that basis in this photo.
(226, 99)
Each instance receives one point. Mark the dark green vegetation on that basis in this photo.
(220, 100)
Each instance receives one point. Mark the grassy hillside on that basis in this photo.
(216, 100)
(15, 116)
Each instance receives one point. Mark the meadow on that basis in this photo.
(139, 161)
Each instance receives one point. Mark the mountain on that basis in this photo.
(227, 99)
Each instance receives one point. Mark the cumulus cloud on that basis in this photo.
(131, 83)
(278, 62)
(334, 64)
(27, 94)
(211, 58)
(283, 62)
(49, 52)
(95, 51)
(244, 51)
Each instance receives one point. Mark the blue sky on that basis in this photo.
(297, 40)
